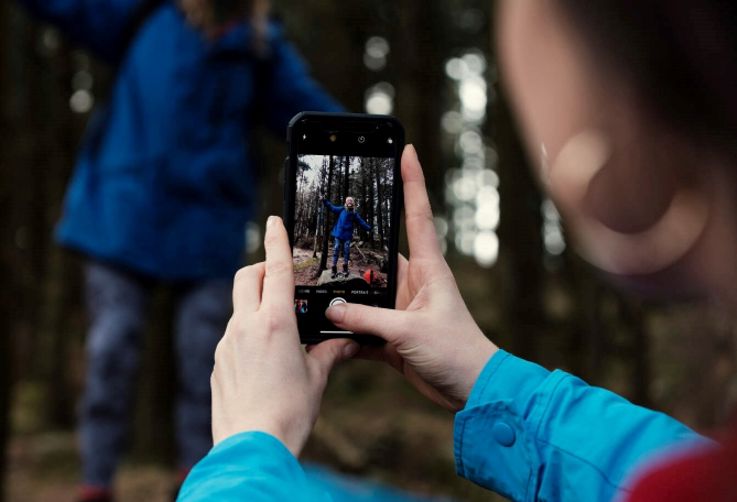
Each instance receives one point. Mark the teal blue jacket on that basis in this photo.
(526, 433)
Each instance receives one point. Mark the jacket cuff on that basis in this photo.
(494, 434)
(253, 463)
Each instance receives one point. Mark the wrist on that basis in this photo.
(479, 356)
(292, 440)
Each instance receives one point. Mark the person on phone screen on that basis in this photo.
(629, 110)
(163, 188)
(342, 232)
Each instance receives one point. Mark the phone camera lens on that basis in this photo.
(362, 139)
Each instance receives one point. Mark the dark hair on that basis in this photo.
(680, 56)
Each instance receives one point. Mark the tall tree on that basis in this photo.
(520, 236)
(7, 299)
(370, 202)
(324, 257)
(320, 213)
(346, 176)
(379, 203)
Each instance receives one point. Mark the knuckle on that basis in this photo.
(274, 319)
(422, 215)
(243, 274)
(271, 239)
(321, 372)
(278, 268)
(354, 316)
(219, 352)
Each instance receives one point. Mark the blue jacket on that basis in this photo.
(525, 432)
(343, 228)
(164, 182)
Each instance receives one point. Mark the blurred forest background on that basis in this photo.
(429, 63)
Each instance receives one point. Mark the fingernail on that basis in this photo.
(351, 349)
(270, 221)
(336, 313)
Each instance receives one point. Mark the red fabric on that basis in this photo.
(698, 476)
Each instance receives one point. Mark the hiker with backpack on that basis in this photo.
(342, 232)
(162, 190)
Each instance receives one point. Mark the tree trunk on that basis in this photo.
(371, 201)
(379, 200)
(320, 206)
(326, 222)
(8, 301)
(346, 179)
(520, 236)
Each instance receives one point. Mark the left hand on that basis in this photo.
(263, 379)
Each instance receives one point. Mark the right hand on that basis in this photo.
(432, 338)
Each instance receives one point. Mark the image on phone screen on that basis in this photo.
(342, 223)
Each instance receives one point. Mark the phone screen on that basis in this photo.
(342, 218)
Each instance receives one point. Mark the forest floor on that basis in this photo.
(373, 426)
(361, 259)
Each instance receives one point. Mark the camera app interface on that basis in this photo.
(343, 207)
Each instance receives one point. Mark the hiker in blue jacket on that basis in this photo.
(163, 187)
(342, 232)
(521, 430)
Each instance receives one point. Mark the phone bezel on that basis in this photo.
(317, 124)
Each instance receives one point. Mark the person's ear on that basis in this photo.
(628, 215)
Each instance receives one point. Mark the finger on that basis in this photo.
(402, 264)
(247, 286)
(328, 353)
(278, 290)
(384, 323)
(404, 296)
(423, 243)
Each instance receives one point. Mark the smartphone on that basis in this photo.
(342, 200)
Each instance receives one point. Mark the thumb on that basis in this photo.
(384, 323)
(330, 352)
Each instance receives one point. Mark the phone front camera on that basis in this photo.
(362, 139)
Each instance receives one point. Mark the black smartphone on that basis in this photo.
(342, 200)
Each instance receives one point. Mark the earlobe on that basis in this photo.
(648, 251)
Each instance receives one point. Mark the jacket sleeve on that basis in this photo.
(252, 466)
(363, 223)
(329, 205)
(292, 89)
(97, 26)
(530, 434)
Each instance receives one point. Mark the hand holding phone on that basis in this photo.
(263, 380)
(432, 339)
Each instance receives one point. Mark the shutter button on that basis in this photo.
(337, 301)
(503, 433)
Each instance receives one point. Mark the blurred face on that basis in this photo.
(627, 188)
(349, 202)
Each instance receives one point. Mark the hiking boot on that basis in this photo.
(335, 272)
(345, 269)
